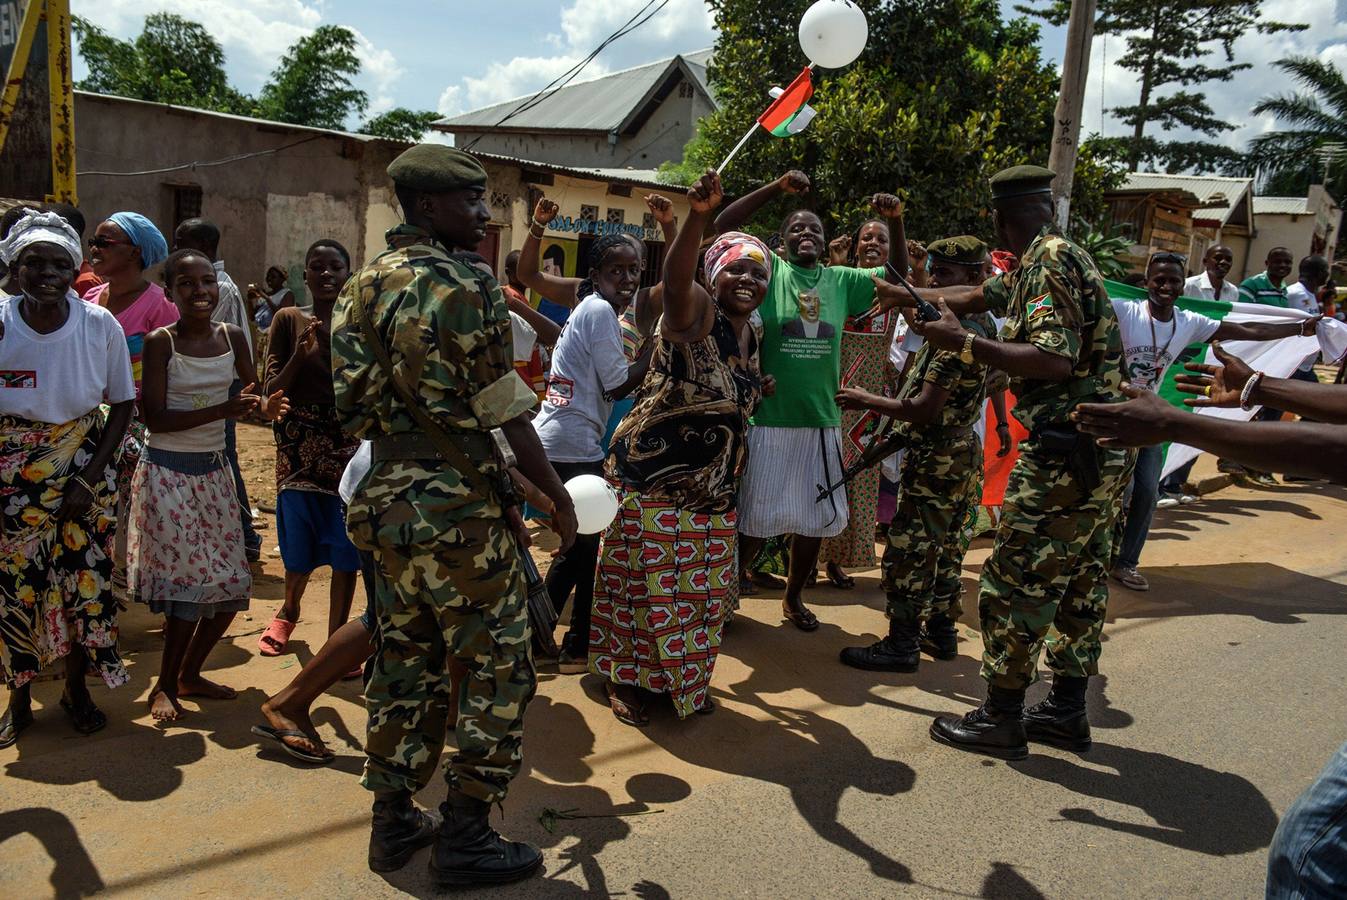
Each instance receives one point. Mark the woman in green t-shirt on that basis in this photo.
(797, 432)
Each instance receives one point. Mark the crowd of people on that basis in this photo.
(423, 411)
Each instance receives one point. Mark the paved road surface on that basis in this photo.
(1223, 697)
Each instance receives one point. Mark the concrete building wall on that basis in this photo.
(270, 207)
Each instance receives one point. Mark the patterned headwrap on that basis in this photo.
(41, 227)
(734, 245)
(142, 233)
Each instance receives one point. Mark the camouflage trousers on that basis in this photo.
(1044, 586)
(938, 487)
(464, 597)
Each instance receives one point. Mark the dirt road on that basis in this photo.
(1223, 696)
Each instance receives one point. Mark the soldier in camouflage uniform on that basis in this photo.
(941, 481)
(1044, 584)
(442, 528)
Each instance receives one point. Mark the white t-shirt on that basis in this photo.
(524, 337)
(1145, 358)
(1299, 297)
(355, 472)
(588, 361)
(1200, 286)
(62, 376)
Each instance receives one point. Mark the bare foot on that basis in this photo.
(164, 707)
(201, 687)
(293, 720)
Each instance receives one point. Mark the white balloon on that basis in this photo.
(833, 33)
(595, 503)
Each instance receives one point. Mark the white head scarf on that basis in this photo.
(41, 227)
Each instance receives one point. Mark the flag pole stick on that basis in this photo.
(737, 147)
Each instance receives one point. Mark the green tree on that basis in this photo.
(312, 84)
(1174, 44)
(173, 60)
(400, 124)
(945, 95)
(1309, 144)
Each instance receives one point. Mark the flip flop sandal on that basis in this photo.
(708, 707)
(842, 582)
(9, 732)
(279, 734)
(85, 719)
(805, 621)
(626, 713)
(276, 638)
(747, 588)
(357, 672)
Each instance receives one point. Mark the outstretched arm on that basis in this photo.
(557, 288)
(1298, 448)
(920, 410)
(962, 299)
(743, 209)
(549, 332)
(1023, 360)
(1266, 331)
(1224, 385)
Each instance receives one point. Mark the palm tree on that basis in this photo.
(1309, 142)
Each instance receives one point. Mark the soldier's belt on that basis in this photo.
(413, 445)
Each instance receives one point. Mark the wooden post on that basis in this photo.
(1066, 120)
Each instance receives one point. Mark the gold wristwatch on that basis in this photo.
(966, 354)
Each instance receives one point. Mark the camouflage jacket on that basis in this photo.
(1056, 301)
(966, 383)
(447, 330)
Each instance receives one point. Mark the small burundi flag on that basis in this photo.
(788, 113)
(796, 123)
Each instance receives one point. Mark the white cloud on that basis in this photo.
(681, 26)
(1232, 100)
(451, 101)
(254, 34)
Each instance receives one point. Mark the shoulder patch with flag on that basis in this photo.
(789, 113)
(1039, 306)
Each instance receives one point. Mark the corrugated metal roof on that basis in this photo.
(1271, 206)
(1206, 188)
(602, 104)
(646, 178)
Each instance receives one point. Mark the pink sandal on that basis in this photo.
(275, 639)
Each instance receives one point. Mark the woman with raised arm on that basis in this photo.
(669, 572)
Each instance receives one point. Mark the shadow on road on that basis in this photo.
(74, 873)
(1193, 807)
(1264, 591)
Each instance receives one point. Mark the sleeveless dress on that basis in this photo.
(669, 568)
(185, 549)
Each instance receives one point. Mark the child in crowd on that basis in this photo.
(311, 450)
(185, 547)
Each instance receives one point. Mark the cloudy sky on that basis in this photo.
(479, 52)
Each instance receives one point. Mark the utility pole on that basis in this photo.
(1066, 120)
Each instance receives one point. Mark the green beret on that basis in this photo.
(436, 168)
(964, 250)
(1021, 181)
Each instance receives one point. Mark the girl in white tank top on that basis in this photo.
(185, 548)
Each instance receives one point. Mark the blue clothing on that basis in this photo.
(554, 311)
(142, 233)
(1308, 857)
(311, 528)
(1140, 505)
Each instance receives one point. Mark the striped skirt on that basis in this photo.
(786, 467)
(666, 579)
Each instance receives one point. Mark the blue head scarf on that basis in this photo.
(141, 231)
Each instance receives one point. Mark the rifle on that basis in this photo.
(879, 450)
(926, 311)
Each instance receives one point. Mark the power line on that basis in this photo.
(211, 162)
(641, 16)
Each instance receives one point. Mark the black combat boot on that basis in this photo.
(899, 652)
(469, 851)
(939, 637)
(995, 728)
(399, 830)
(1060, 719)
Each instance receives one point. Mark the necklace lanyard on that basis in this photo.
(1160, 353)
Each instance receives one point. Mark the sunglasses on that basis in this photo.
(1168, 258)
(98, 243)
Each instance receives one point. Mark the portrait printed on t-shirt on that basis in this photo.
(807, 324)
